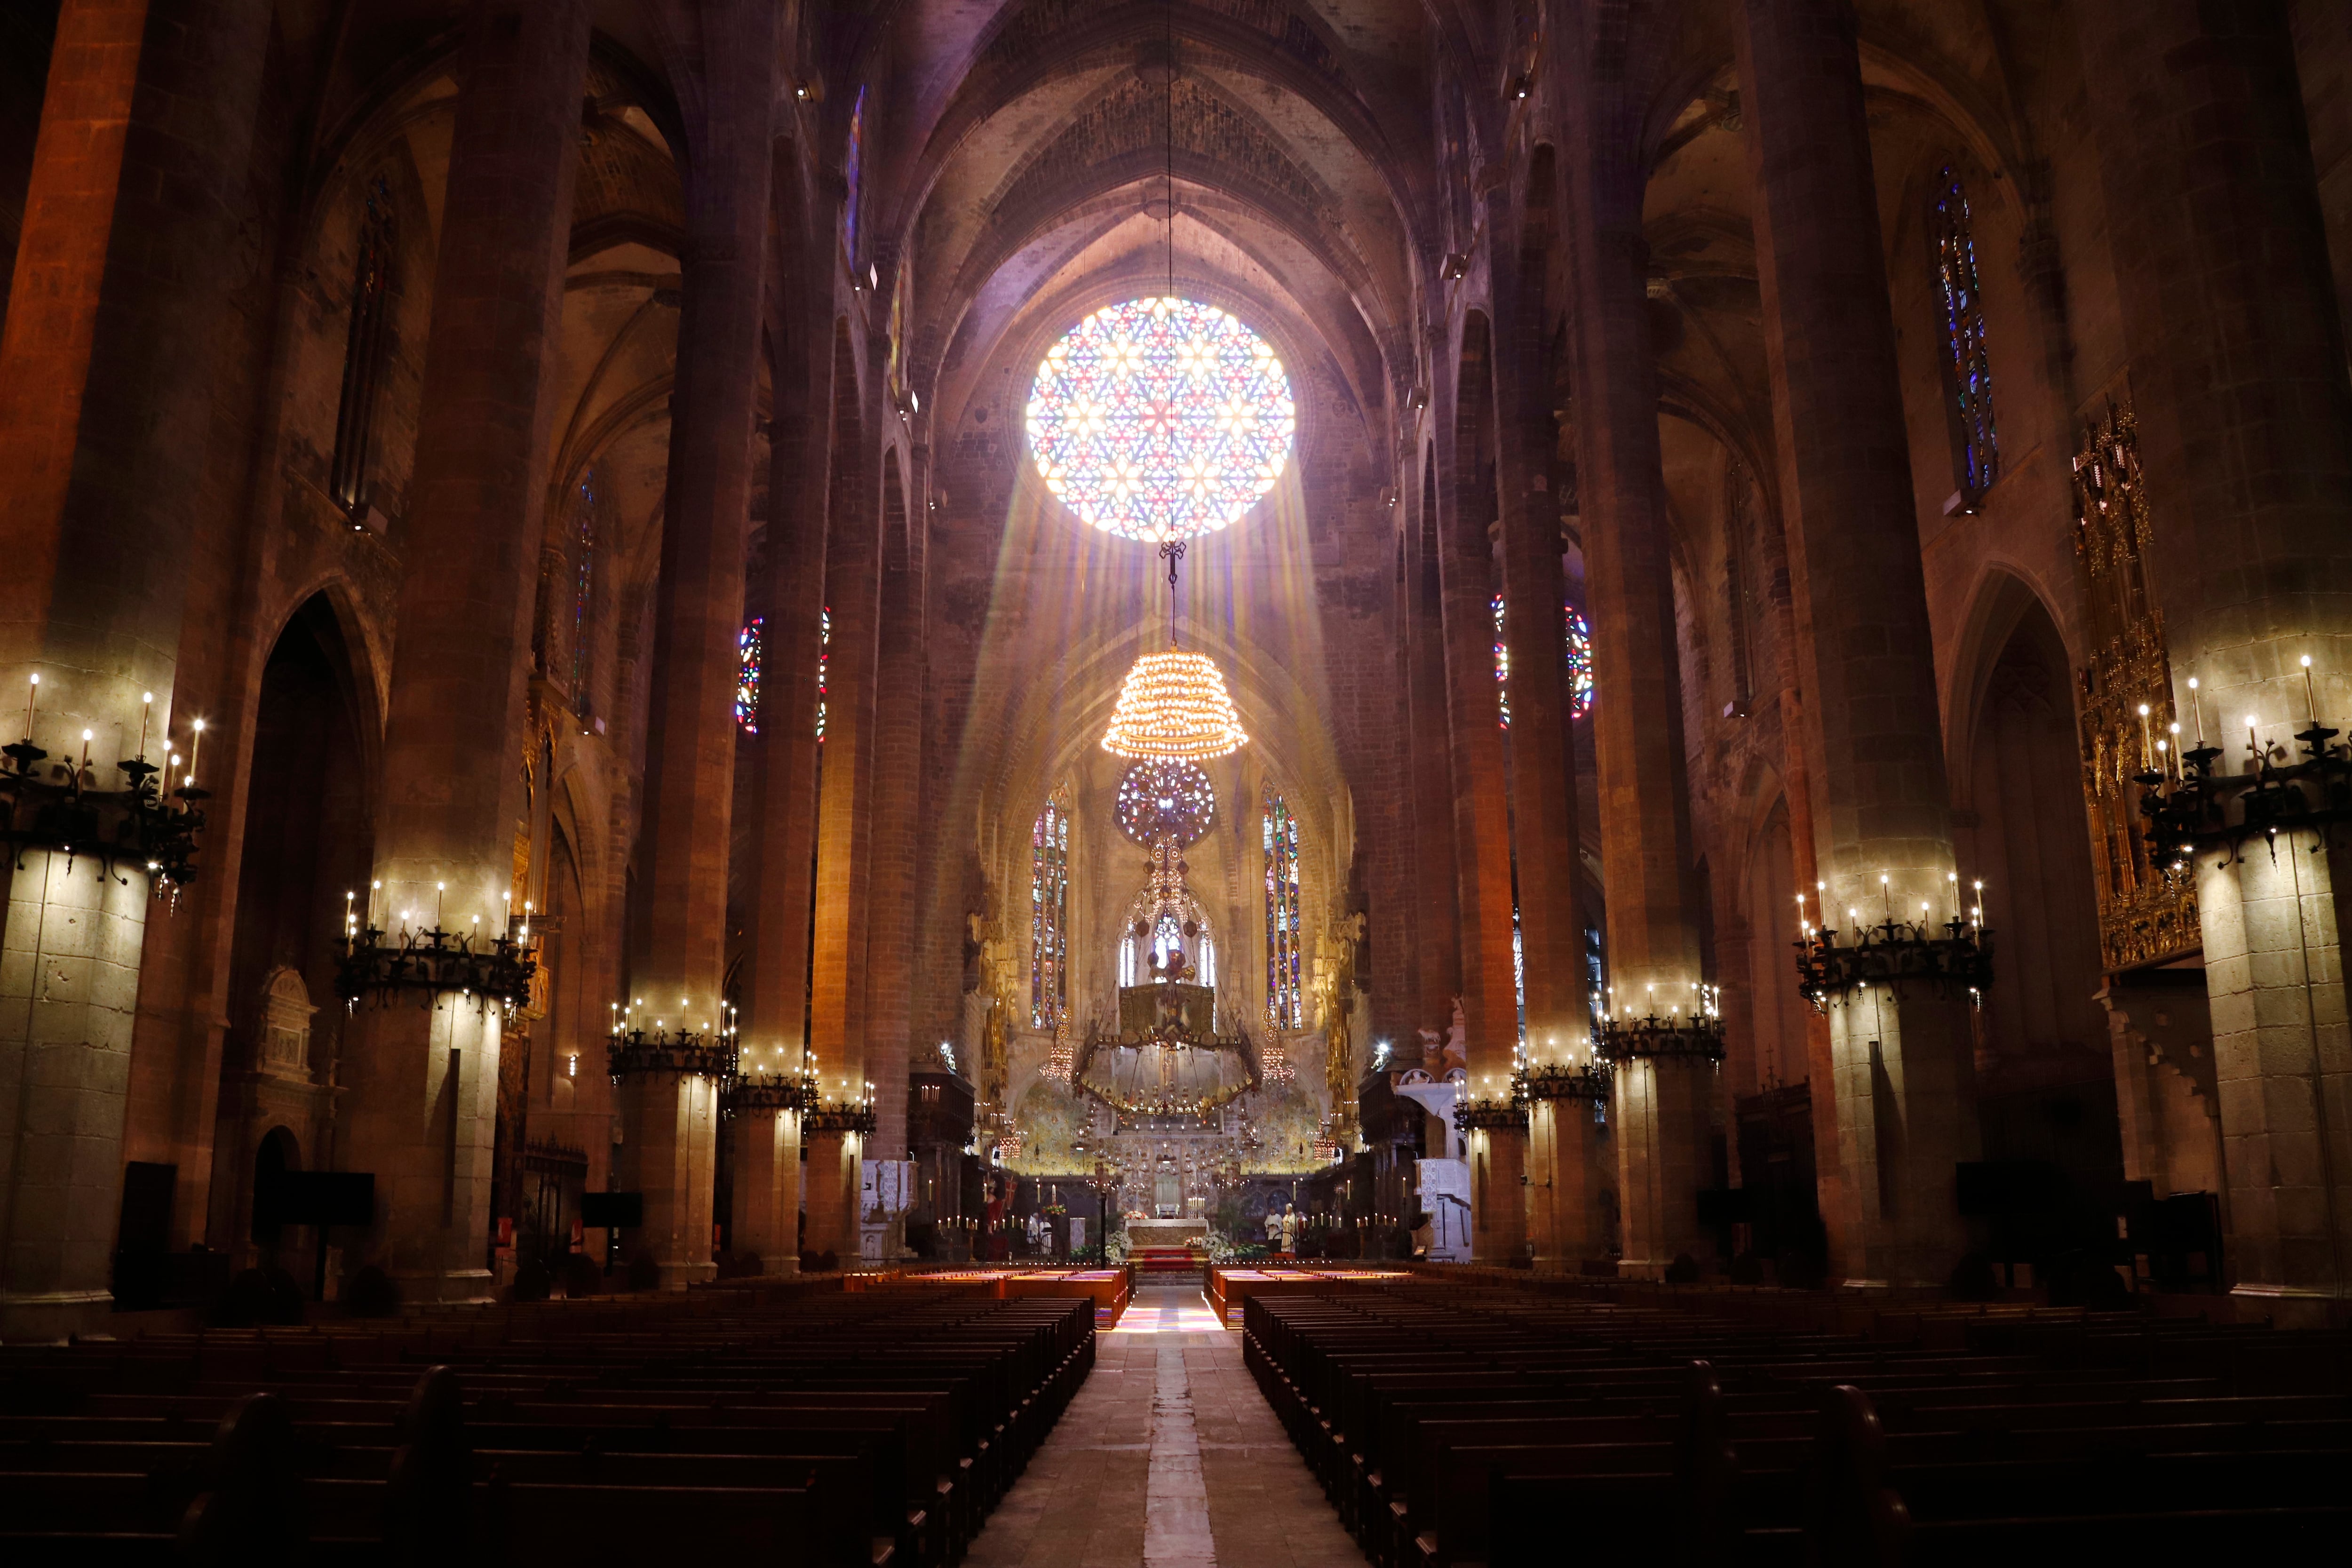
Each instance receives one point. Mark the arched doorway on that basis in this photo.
(277, 1155)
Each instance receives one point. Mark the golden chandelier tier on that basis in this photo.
(1173, 706)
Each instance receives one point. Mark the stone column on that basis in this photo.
(423, 1080)
(1437, 951)
(2237, 355)
(1482, 819)
(1542, 764)
(845, 818)
(835, 1160)
(108, 376)
(1662, 1105)
(1905, 1083)
(766, 1221)
(679, 931)
(896, 798)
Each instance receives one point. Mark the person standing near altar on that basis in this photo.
(1290, 1229)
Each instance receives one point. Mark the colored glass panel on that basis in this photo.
(1160, 419)
(1966, 355)
(1285, 1000)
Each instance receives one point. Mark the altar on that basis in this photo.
(1162, 1233)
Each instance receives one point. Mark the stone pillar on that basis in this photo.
(1542, 764)
(895, 801)
(423, 1079)
(2237, 355)
(767, 1218)
(1563, 1186)
(1482, 818)
(679, 930)
(1662, 1122)
(844, 817)
(1903, 1076)
(108, 377)
(834, 1161)
(1437, 950)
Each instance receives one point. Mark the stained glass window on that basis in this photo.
(1285, 999)
(1166, 800)
(1580, 664)
(853, 172)
(1966, 357)
(364, 348)
(1579, 646)
(1049, 913)
(824, 654)
(583, 588)
(750, 647)
(1160, 419)
(1502, 667)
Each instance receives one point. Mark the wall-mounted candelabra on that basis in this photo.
(2192, 808)
(427, 962)
(1680, 1033)
(149, 824)
(1951, 959)
(1558, 1080)
(839, 1116)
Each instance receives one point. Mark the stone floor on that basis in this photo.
(1167, 1459)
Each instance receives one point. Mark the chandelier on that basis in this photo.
(1173, 707)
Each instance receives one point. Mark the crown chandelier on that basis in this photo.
(1174, 708)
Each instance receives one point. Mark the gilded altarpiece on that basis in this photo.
(2145, 915)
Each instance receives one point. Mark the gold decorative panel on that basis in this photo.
(2145, 915)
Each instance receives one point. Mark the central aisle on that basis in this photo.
(1167, 1459)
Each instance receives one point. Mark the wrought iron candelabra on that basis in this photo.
(381, 968)
(1896, 954)
(687, 1053)
(1556, 1080)
(2196, 809)
(60, 808)
(1673, 1036)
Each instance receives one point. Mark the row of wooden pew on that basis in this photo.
(1453, 1426)
(792, 1425)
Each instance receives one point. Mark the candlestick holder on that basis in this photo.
(1897, 955)
(1554, 1080)
(1491, 1115)
(684, 1053)
(829, 1116)
(767, 1091)
(2200, 810)
(380, 969)
(1672, 1036)
(58, 807)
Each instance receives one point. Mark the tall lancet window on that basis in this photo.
(579, 636)
(1285, 1001)
(750, 653)
(1049, 913)
(1966, 363)
(364, 355)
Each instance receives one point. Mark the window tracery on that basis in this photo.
(1049, 912)
(750, 651)
(1160, 419)
(1966, 358)
(1285, 1001)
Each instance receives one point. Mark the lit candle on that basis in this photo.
(32, 701)
(2253, 745)
(2176, 750)
(374, 888)
(1887, 893)
(2197, 709)
(196, 749)
(438, 889)
(2146, 751)
(1953, 878)
(146, 711)
(2309, 699)
(86, 735)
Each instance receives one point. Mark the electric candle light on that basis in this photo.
(2252, 744)
(2145, 750)
(195, 750)
(1887, 892)
(2310, 700)
(2197, 709)
(146, 711)
(32, 701)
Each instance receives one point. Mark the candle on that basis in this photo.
(1887, 893)
(86, 735)
(2252, 744)
(374, 888)
(2197, 709)
(32, 701)
(2309, 701)
(2176, 750)
(1953, 878)
(196, 749)
(438, 889)
(146, 711)
(2145, 750)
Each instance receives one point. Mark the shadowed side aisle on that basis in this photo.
(1169, 1457)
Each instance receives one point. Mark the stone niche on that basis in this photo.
(271, 1084)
